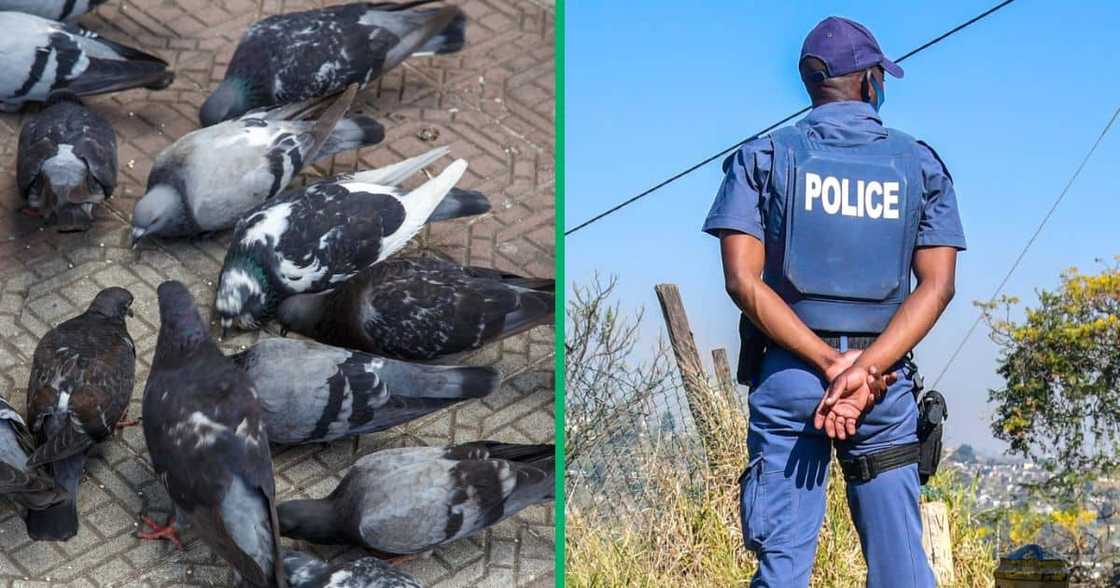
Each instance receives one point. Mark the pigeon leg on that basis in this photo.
(159, 532)
(392, 558)
(124, 423)
(397, 560)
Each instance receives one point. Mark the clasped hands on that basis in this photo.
(853, 389)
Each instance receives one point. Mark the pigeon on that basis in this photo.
(81, 381)
(209, 178)
(306, 571)
(67, 162)
(310, 239)
(27, 487)
(52, 9)
(421, 308)
(39, 57)
(409, 500)
(292, 57)
(314, 393)
(208, 444)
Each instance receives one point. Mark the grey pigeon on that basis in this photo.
(421, 308)
(52, 9)
(81, 381)
(208, 443)
(67, 162)
(313, 393)
(411, 499)
(39, 57)
(26, 486)
(209, 178)
(299, 55)
(311, 239)
(306, 571)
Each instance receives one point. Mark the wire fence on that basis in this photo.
(628, 419)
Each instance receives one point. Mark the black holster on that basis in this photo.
(752, 345)
(932, 412)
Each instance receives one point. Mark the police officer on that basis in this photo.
(820, 226)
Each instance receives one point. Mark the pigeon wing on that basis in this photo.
(29, 488)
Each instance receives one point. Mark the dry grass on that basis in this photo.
(687, 534)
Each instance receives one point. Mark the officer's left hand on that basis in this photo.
(841, 419)
(850, 394)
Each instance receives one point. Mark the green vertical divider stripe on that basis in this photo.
(561, 292)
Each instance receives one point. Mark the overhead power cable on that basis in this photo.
(1023, 252)
(697, 166)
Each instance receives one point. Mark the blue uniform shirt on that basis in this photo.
(742, 196)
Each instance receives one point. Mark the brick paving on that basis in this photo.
(492, 104)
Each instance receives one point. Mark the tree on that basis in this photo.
(609, 391)
(1060, 405)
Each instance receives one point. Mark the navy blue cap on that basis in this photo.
(845, 46)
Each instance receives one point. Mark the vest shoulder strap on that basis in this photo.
(788, 137)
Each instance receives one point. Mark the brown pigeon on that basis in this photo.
(81, 380)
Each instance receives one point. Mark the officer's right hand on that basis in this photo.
(842, 362)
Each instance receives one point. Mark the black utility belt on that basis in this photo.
(860, 341)
(865, 467)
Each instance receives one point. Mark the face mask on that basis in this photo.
(880, 97)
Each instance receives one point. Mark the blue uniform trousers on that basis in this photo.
(783, 488)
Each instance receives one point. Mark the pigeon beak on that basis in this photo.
(135, 237)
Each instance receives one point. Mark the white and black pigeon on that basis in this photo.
(300, 55)
(208, 443)
(39, 57)
(307, 571)
(209, 178)
(52, 9)
(27, 486)
(421, 308)
(411, 499)
(67, 162)
(314, 393)
(313, 238)
(81, 381)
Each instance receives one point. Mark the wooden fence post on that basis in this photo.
(723, 372)
(937, 542)
(688, 358)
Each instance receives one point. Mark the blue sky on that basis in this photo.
(1011, 104)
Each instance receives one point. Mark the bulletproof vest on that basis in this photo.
(841, 228)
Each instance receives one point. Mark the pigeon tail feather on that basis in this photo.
(537, 308)
(353, 133)
(419, 205)
(326, 123)
(64, 438)
(29, 488)
(451, 40)
(460, 203)
(59, 522)
(107, 75)
(392, 175)
(436, 24)
(465, 382)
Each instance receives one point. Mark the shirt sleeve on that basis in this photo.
(940, 223)
(740, 199)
